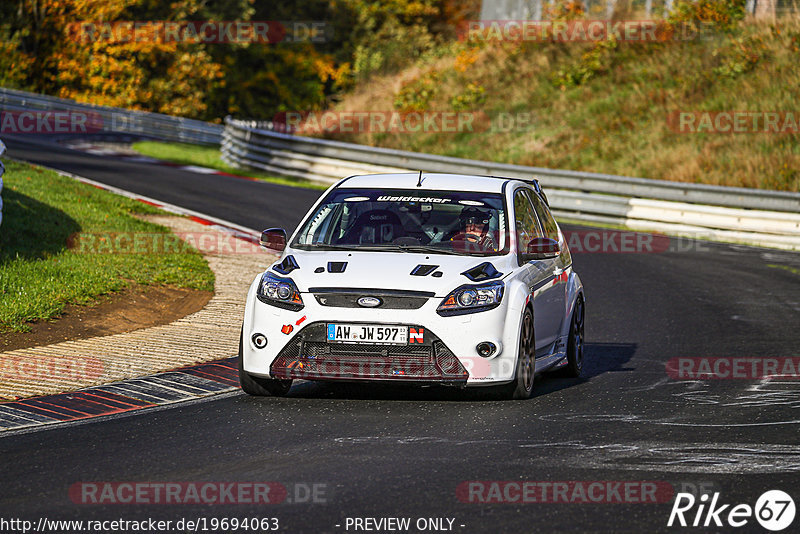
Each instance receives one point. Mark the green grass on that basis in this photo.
(40, 275)
(209, 156)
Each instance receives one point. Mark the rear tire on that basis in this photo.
(524, 376)
(257, 386)
(575, 351)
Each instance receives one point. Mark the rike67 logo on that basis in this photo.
(774, 510)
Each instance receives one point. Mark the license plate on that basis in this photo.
(367, 333)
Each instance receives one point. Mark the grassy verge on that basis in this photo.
(207, 156)
(40, 274)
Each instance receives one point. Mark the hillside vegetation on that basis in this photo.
(604, 106)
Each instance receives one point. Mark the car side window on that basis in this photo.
(548, 223)
(527, 226)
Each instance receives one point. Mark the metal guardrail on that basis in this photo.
(761, 217)
(105, 119)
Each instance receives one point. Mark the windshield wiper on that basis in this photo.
(354, 247)
(425, 248)
(325, 246)
(380, 248)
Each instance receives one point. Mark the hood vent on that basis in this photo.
(288, 265)
(484, 271)
(337, 266)
(423, 270)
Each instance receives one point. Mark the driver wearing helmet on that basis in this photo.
(474, 234)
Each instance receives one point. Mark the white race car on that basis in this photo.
(417, 278)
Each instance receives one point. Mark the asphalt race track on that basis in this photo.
(377, 452)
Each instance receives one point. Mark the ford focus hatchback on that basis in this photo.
(420, 279)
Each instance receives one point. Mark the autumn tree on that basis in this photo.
(71, 49)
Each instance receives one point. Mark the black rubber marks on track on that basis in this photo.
(182, 384)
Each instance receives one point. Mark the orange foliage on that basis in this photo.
(171, 78)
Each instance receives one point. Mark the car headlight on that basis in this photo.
(472, 299)
(280, 292)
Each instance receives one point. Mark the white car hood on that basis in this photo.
(380, 270)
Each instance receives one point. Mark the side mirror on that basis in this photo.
(274, 239)
(542, 248)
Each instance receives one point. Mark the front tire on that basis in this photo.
(257, 386)
(522, 386)
(575, 343)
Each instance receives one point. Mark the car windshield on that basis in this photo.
(438, 222)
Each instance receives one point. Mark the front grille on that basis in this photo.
(350, 300)
(310, 356)
(390, 299)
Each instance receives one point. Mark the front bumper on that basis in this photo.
(309, 355)
(297, 346)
